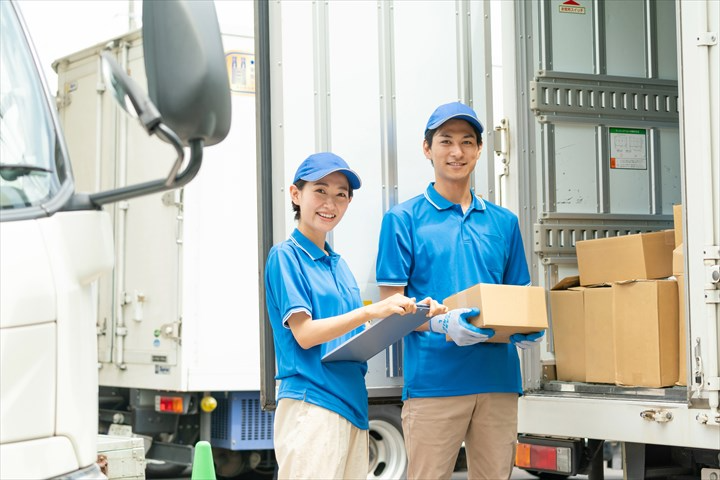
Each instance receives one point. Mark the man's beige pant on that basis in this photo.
(312, 442)
(435, 428)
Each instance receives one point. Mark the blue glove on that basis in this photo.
(526, 341)
(454, 323)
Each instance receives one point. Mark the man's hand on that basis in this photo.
(526, 341)
(455, 324)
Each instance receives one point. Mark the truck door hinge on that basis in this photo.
(712, 384)
(501, 144)
(175, 198)
(712, 296)
(697, 372)
(171, 330)
(713, 274)
(101, 327)
(656, 415)
(706, 39)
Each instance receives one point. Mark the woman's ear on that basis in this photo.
(294, 194)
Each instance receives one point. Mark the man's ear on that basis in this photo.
(480, 147)
(426, 150)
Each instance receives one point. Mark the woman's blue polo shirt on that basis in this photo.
(300, 277)
(430, 247)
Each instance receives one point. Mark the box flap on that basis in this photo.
(678, 261)
(567, 283)
(677, 223)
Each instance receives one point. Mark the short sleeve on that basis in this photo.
(394, 258)
(287, 289)
(516, 269)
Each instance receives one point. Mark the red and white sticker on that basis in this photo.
(571, 6)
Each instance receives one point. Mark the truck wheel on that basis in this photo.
(164, 470)
(388, 458)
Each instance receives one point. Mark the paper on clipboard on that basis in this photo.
(377, 337)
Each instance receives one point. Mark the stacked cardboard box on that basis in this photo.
(618, 323)
(583, 332)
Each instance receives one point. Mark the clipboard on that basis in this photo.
(377, 337)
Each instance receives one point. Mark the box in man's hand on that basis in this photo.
(507, 309)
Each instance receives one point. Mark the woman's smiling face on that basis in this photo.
(322, 204)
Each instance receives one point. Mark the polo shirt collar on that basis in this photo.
(442, 203)
(307, 246)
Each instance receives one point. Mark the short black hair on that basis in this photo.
(430, 133)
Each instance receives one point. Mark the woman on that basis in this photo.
(314, 304)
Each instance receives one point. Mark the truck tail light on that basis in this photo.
(168, 404)
(544, 457)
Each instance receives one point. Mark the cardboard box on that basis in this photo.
(507, 309)
(646, 332)
(677, 224)
(682, 334)
(582, 329)
(678, 265)
(567, 314)
(628, 257)
(599, 337)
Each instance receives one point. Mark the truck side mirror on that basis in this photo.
(189, 95)
(185, 67)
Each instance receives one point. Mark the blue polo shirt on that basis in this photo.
(430, 247)
(299, 277)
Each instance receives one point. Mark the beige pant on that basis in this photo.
(435, 428)
(312, 442)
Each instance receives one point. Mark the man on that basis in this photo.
(437, 244)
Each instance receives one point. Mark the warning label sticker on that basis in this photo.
(571, 6)
(628, 148)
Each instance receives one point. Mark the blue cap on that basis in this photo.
(449, 111)
(319, 165)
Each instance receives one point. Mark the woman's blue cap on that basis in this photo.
(453, 110)
(319, 165)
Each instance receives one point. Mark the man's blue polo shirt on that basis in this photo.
(430, 247)
(299, 277)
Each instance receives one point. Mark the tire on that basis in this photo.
(164, 470)
(388, 457)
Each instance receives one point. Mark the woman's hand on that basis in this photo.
(395, 304)
(436, 308)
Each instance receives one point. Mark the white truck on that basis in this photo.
(56, 241)
(181, 325)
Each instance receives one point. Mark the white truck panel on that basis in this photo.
(26, 277)
(80, 249)
(187, 259)
(615, 420)
(41, 458)
(26, 410)
(700, 81)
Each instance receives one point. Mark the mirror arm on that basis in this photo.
(132, 191)
(168, 136)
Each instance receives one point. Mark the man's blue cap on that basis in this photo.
(319, 165)
(449, 111)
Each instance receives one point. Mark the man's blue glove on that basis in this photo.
(455, 324)
(526, 341)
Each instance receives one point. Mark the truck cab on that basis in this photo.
(56, 242)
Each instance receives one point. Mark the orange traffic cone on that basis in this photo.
(203, 467)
